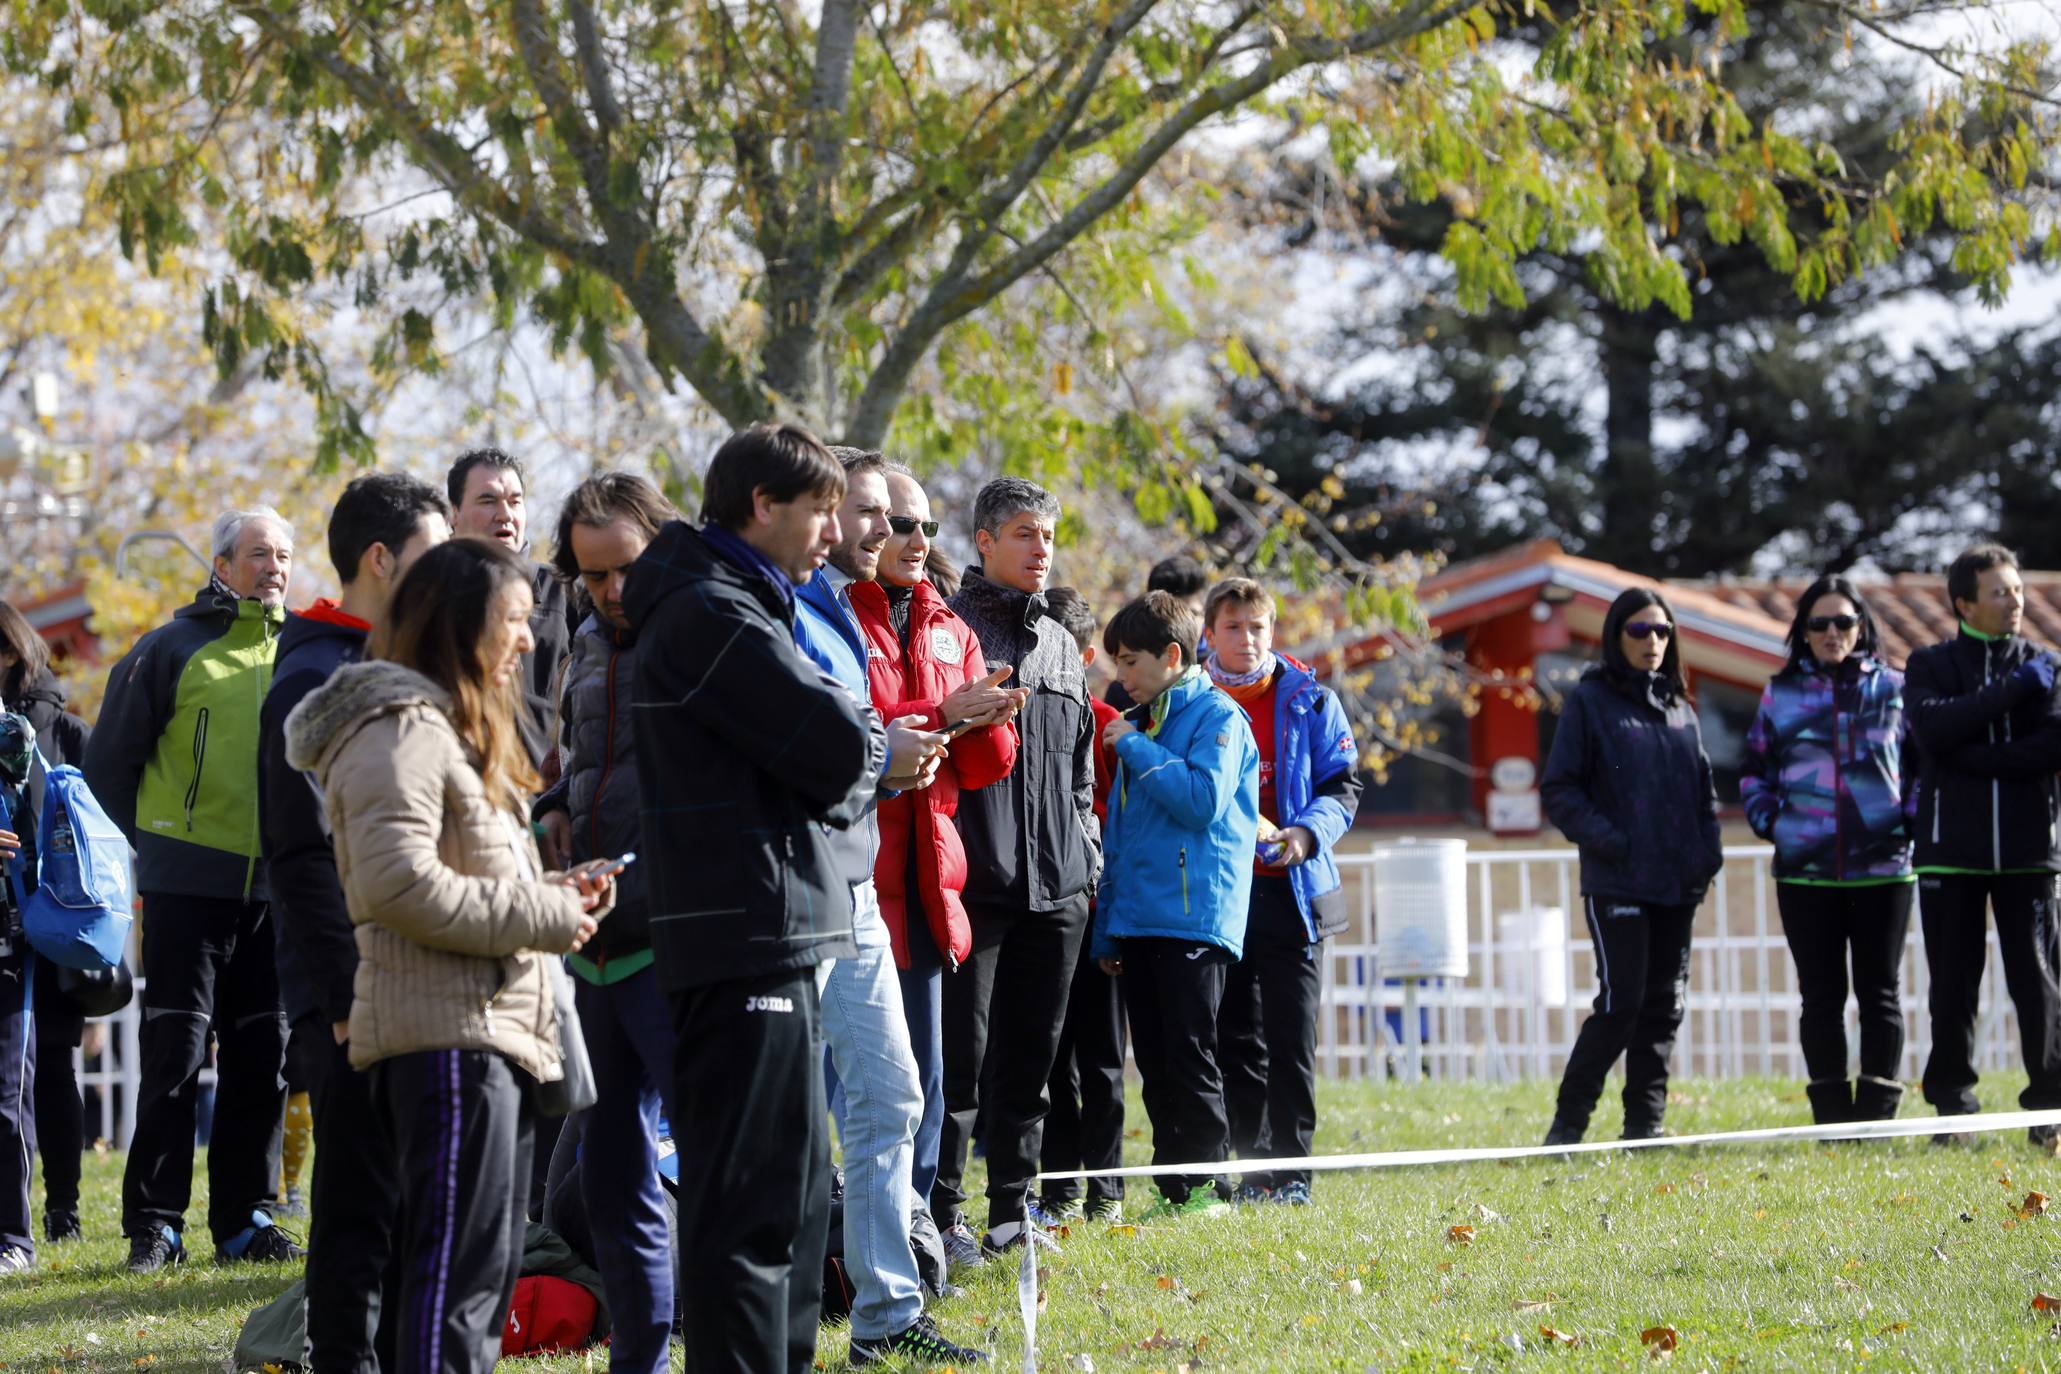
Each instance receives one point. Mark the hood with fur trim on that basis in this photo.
(354, 694)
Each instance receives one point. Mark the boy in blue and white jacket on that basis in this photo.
(1176, 879)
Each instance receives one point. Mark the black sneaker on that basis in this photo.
(921, 1343)
(152, 1250)
(2046, 1139)
(261, 1242)
(1025, 1235)
(1562, 1133)
(61, 1226)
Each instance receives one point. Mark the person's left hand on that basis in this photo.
(1293, 846)
(1116, 730)
(10, 844)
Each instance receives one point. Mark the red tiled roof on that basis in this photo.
(1911, 610)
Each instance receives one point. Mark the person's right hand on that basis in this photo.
(557, 839)
(2036, 674)
(983, 698)
(910, 748)
(341, 1030)
(583, 932)
(10, 844)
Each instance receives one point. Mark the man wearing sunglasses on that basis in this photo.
(1983, 708)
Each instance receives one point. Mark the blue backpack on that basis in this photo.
(81, 911)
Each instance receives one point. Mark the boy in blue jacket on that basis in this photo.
(1176, 880)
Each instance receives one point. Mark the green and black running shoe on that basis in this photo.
(920, 1343)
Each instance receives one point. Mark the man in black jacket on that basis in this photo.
(748, 757)
(1983, 708)
(381, 524)
(1033, 852)
(490, 500)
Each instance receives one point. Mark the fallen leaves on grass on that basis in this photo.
(2045, 1302)
(1528, 1305)
(2035, 1205)
(1660, 1341)
(1561, 1338)
(1462, 1234)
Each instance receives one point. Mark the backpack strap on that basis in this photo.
(13, 865)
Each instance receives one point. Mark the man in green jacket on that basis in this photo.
(174, 760)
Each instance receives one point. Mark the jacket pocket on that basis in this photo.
(200, 755)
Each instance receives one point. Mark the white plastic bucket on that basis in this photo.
(1531, 956)
(1420, 909)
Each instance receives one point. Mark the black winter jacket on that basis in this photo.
(1032, 841)
(60, 735)
(597, 777)
(747, 755)
(1989, 749)
(552, 622)
(1632, 787)
(314, 946)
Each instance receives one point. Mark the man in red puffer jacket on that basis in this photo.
(924, 661)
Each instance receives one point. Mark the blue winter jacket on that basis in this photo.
(1316, 786)
(828, 636)
(1183, 818)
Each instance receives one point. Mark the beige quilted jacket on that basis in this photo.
(443, 888)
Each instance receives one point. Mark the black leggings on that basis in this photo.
(1826, 926)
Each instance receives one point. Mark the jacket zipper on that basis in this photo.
(250, 865)
(1184, 880)
(1996, 798)
(200, 754)
(1838, 792)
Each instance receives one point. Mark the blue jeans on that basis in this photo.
(869, 1046)
(629, 1032)
(923, 1001)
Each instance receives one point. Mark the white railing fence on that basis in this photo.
(1531, 978)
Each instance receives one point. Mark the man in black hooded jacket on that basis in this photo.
(748, 757)
(1983, 708)
(381, 524)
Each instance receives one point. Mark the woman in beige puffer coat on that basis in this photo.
(425, 786)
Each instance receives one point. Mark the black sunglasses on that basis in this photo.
(1649, 629)
(1818, 624)
(909, 524)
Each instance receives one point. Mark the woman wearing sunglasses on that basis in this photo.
(1825, 780)
(1628, 782)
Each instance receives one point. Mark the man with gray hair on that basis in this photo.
(1033, 852)
(174, 760)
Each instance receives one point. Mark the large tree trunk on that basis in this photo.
(1630, 481)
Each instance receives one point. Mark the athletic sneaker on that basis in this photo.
(1063, 1212)
(1010, 1236)
(61, 1226)
(1296, 1194)
(152, 1250)
(1203, 1202)
(962, 1247)
(15, 1260)
(291, 1205)
(1106, 1209)
(1246, 1193)
(921, 1343)
(261, 1242)
(2045, 1138)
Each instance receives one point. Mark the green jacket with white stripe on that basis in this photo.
(174, 756)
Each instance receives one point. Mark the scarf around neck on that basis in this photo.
(1156, 709)
(736, 551)
(1242, 687)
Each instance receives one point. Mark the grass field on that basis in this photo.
(1892, 1255)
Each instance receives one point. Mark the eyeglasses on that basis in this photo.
(1818, 624)
(909, 524)
(1649, 629)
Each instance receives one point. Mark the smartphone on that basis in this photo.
(608, 868)
(961, 728)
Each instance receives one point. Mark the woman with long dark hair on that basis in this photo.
(1629, 783)
(426, 785)
(1826, 781)
(28, 686)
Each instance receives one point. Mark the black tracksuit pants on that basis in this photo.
(60, 1110)
(208, 966)
(1085, 1128)
(753, 1136)
(1174, 989)
(1825, 927)
(459, 1122)
(1950, 906)
(354, 1262)
(17, 1089)
(1007, 1001)
(1642, 972)
(1267, 1034)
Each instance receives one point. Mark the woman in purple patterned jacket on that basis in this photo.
(1827, 781)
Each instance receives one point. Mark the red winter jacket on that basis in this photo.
(943, 655)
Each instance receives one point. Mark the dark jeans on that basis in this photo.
(208, 966)
(60, 1112)
(1642, 972)
(17, 1092)
(1267, 1034)
(1085, 1129)
(1174, 989)
(1825, 926)
(629, 1034)
(1008, 997)
(354, 1202)
(754, 1150)
(1950, 907)
(462, 1138)
(923, 1004)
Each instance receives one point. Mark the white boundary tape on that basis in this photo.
(1979, 1123)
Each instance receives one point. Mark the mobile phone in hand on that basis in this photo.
(608, 868)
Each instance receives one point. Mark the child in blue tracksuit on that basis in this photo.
(1176, 879)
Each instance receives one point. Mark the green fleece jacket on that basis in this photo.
(174, 756)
